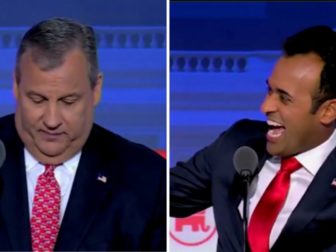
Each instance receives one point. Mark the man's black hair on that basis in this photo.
(320, 40)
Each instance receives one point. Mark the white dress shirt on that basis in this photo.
(64, 174)
(311, 161)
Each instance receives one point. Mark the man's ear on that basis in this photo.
(15, 86)
(328, 111)
(97, 89)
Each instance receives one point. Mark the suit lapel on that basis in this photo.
(318, 195)
(14, 198)
(92, 182)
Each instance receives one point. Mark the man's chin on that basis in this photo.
(48, 155)
(274, 149)
(51, 150)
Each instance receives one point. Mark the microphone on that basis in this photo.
(245, 161)
(2, 153)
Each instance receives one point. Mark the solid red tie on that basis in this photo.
(269, 206)
(46, 211)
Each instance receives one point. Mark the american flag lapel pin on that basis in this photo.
(102, 178)
(333, 182)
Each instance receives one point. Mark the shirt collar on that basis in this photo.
(313, 159)
(70, 164)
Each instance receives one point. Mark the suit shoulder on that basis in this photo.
(6, 120)
(7, 127)
(246, 128)
(243, 132)
(248, 124)
(127, 151)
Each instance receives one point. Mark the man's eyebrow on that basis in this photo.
(33, 93)
(74, 95)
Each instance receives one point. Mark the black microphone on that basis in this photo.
(2, 153)
(245, 161)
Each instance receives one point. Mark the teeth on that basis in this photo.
(273, 123)
(275, 133)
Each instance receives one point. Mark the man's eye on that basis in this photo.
(37, 100)
(284, 98)
(69, 101)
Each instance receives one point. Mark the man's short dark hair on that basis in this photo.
(320, 40)
(50, 40)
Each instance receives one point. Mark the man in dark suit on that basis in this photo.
(68, 184)
(300, 106)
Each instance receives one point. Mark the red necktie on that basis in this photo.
(46, 211)
(269, 206)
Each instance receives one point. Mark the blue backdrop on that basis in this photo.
(131, 38)
(221, 54)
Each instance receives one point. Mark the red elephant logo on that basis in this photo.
(194, 230)
(196, 221)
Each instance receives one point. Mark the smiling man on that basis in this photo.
(292, 206)
(296, 123)
(67, 183)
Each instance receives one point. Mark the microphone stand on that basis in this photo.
(245, 161)
(246, 184)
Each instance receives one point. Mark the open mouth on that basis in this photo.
(275, 131)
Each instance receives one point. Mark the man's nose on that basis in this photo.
(52, 117)
(269, 104)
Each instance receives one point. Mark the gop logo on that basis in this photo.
(193, 230)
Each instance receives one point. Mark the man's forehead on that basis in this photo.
(43, 59)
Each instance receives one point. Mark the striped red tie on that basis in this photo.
(46, 211)
(269, 206)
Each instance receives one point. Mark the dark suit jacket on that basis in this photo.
(209, 179)
(128, 212)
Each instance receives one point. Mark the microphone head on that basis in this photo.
(245, 161)
(2, 153)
